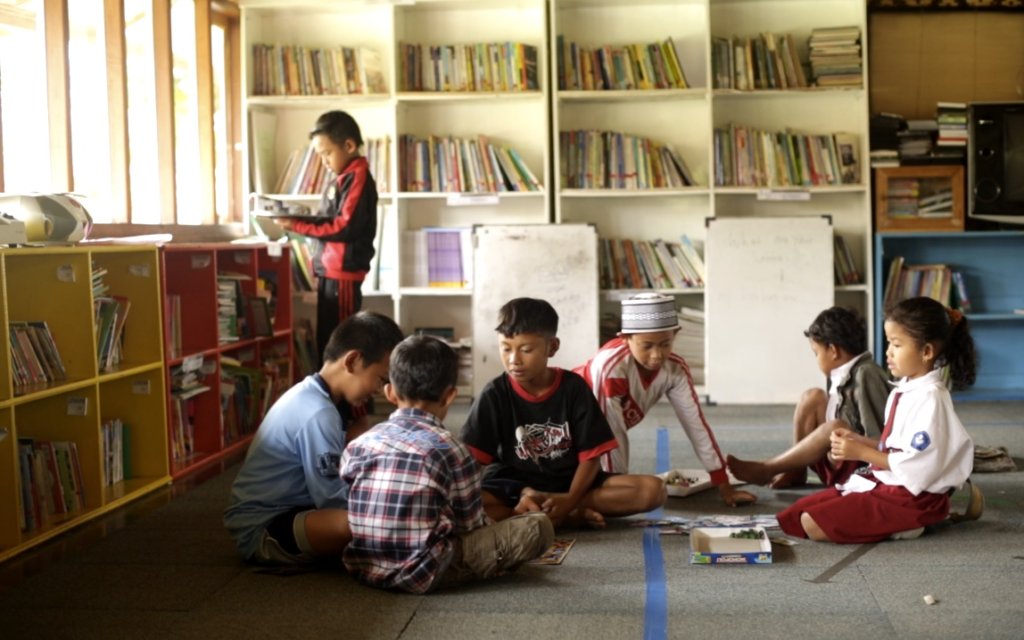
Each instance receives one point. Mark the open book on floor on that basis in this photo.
(691, 481)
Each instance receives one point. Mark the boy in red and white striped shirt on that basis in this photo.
(631, 372)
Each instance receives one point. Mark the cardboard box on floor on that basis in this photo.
(715, 545)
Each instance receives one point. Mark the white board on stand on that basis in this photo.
(557, 263)
(767, 279)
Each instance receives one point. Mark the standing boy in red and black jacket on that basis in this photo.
(346, 224)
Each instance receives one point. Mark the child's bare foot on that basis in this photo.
(585, 517)
(789, 479)
(749, 470)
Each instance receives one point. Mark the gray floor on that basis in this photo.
(164, 568)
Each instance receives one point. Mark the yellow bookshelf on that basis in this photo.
(53, 285)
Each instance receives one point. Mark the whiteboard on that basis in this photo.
(554, 262)
(767, 279)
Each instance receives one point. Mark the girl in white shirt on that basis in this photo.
(924, 453)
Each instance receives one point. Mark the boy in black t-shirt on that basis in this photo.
(543, 433)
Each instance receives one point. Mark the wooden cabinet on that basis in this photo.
(82, 431)
(919, 198)
(223, 373)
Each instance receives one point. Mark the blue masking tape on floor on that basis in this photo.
(656, 601)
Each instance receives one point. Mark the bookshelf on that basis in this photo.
(222, 375)
(52, 460)
(990, 262)
(686, 118)
(511, 115)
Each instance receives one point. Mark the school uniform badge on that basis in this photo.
(920, 441)
(327, 464)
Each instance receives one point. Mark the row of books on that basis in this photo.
(288, 70)
(451, 164)
(244, 394)
(765, 61)
(936, 281)
(188, 380)
(846, 267)
(51, 481)
(305, 173)
(111, 316)
(633, 66)
(654, 264)
(116, 440)
(231, 313)
(438, 257)
(592, 159)
(35, 359)
(492, 66)
(745, 156)
(836, 57)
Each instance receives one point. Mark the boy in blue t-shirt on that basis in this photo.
(288, 503)
(543, 433)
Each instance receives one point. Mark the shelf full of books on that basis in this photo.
(82, 410)
(228, 333)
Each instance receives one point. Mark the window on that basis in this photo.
(25, 131)
(131, 103)
(90, 127)
(143, 165)
(188, 182)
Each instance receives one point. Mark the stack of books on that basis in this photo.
(689, 342)
(952, 124)
(917, 140)
(835, 54)
(884, 138)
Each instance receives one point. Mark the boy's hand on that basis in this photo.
(558, 508)
(733, 497)
(526, 505)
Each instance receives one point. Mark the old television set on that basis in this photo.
(995, 161)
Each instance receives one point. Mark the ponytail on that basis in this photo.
(928, 321)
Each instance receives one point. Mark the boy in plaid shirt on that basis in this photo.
(415, 505)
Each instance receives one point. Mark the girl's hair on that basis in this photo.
(842, 327)
(527, 315)
(929, 321)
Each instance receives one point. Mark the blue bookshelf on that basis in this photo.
(992, 263)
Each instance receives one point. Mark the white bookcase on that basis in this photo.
(516, 119)
(685, 119)
(530, 122)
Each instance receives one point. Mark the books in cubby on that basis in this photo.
(111, 315)
(910, 281)
(846, 268)
(919, 198)
(951, 118)
(438, 257)
(750, 157)
(305, 174)
(116, 441)
(51, 481)
(287, 70)
(307, 360)
(231, 316)
(241, 398)
(621, 67)
(492, 66)
(35, 359)
(836, 56)
(188, 380)
(655, 264)
(461, 165)
(765, 61)
(593, 159)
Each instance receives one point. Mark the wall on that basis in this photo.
(917, 59)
